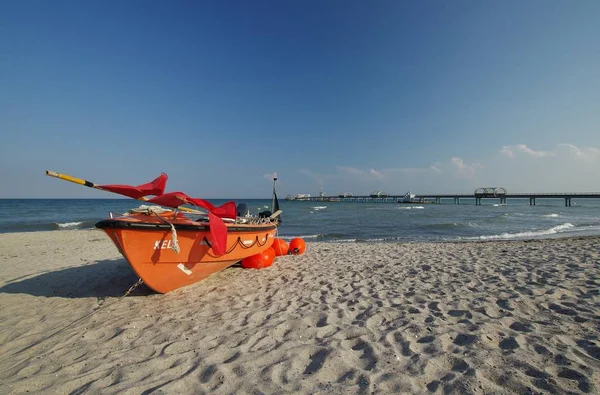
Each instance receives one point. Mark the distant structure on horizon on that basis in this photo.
(299, 196)
(379, 194)
(479, 194)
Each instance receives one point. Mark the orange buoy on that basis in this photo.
(260, 260)
(269, 256)
(280, 247)
(297, 246)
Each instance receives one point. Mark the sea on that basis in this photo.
(348, 222)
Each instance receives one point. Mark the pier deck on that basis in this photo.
(437, 198)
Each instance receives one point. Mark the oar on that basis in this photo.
(89, 184)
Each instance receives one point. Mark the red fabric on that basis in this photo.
(171, 199)
(226, 210)
(218, 234)
(155, 187)
(218, 229)
(176, 199)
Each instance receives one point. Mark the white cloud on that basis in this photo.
(435, 169)
(566, 151)
(573, 168)
(463, 169)
(376, 174)
(351, 170)
(506, 150)
(413, 170)
(383, 173)
(365, 175)
(512, 150)
(587, 154)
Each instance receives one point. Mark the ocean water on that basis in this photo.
(348, 221)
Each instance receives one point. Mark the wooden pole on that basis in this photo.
(90, 184)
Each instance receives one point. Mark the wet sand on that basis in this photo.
(495, 317)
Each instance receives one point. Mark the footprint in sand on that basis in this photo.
(460, 313)
(464, 340)
(541, 350)
(426, 339)
(322, 321)
(460, 366)
(561, 309)
(368, 355)
(520, 327)
(404, 345)
(361, 352)
(590, 348)
(504, 304)
(571, 374)
(510, 343)
(561, 360)
(316, 361)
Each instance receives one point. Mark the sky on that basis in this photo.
(334, 95)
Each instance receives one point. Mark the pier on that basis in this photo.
(478, 195)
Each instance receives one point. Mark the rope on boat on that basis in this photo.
(157, 210)
(149, 210)
(175, 244)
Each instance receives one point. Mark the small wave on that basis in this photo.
(536, 233)
(411, 208)
(380, 240)
(443, 225)
(550, 215)
(68, 224)
(499, 205)
(497, 218)
(301, 237)
(45, 226)
(320, 237)
(319, 207)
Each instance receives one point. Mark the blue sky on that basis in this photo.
(431, 96)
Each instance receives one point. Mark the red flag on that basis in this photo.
(155, 187)
(218, 230)
(176, 199)
(171, 199)
(226, 210)
(218, 234)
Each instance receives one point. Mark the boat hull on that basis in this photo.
(148, 246)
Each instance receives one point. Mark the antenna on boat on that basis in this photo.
(275, 202)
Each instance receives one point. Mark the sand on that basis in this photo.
(494, 318)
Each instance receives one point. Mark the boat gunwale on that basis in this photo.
(125, 224)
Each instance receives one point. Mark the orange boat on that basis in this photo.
(169, 250)
(166, 260)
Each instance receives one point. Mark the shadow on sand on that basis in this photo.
(107, 278)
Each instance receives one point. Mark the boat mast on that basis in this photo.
(274, 202)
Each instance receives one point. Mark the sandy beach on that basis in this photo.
(494, 318)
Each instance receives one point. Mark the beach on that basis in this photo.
(498, 317)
